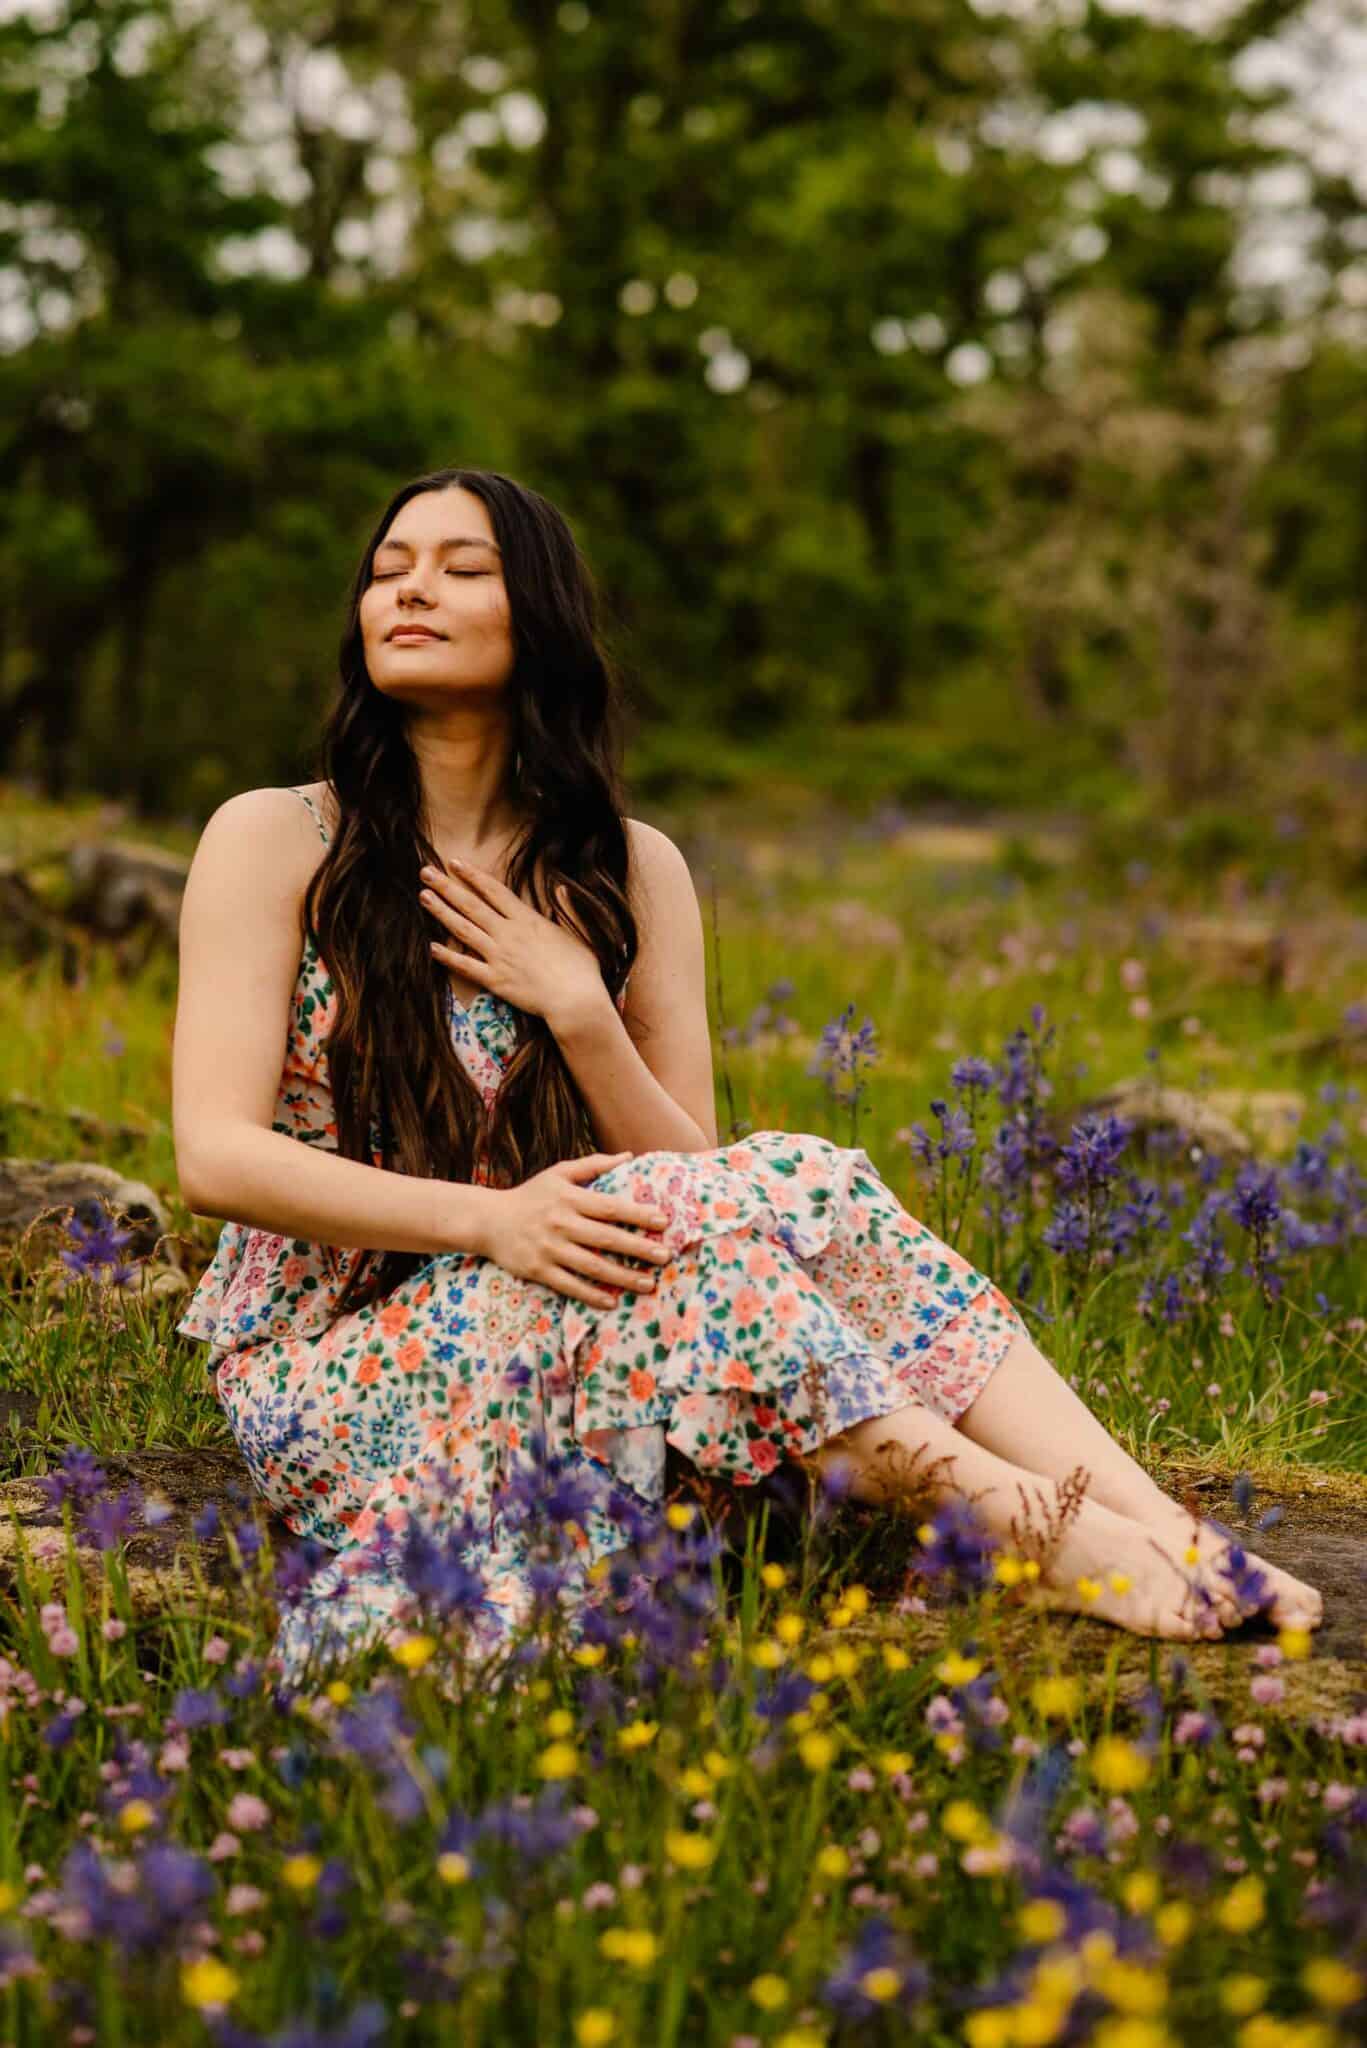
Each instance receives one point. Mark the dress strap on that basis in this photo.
(317, 815)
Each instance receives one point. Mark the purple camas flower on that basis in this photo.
(972, 1076)
(107, 1520)
(79, 1476)
(961, 1547)
(198, 1709)
(1091, 1157)
(97, 1249)
(842, 1051)
(1256, 1205)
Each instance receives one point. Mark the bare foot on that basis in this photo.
(1130, 1576)
(1244, 1583)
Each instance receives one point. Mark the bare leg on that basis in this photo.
(1028, 1411)
(915, 1455)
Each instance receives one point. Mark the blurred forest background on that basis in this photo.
(961, 402)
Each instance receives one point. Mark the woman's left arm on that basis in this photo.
(646, 1072)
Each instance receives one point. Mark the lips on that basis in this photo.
(415, 633)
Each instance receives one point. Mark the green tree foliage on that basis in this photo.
(891, 359)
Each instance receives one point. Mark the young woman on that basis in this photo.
(468, 1144)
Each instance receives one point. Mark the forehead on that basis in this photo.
(449, 515)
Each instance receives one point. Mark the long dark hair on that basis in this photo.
(401, 1096)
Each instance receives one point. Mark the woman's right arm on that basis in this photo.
(240, 947)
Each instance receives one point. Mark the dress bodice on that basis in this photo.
(241, 1295)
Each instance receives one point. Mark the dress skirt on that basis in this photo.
(801, 1298)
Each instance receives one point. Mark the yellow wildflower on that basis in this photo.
(881, 1984)
(1038, 2021)
(694, 1783)
(680, 1513)
(841, 1616)
(1243, 1994)
(956, 1669)
(414, 1651)
(595, 2027)
(1008, 1569)
(788, 1628)
(589, 1654)
(717, 1765)
(817, 1750)
(558, 1760)
(892, 1761)
(301, 1873)
(1172, 1923)
(207, 1982)
(1119, 1582)
(800, 2037)
(1117, 1765)
(452, 1867)
(1089, 1589)
(991, 2026)
(769, 1992)
(856, 1598)
(1133, 2030)
(962, 1821)
(832, 1861)
(10, 1896)
(637, 1734)
(1333, 1983)
(895, 1658)
(135, 1815)
(1241, 1908)
(1131, 1988)
(1056, 1695)
(339, 1692)
(559, 1723)
(1041, 1920)
(767, 1654)
(774, 1577)
(845, 1658)
(819, 1668)
(1141, 1891)
(688, 1850)
(1294, 1643)
(634, 1945)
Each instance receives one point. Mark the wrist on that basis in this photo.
(466, 1214)
(582, 1015)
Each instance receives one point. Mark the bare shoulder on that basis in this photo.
(654, 856)
(260, 843)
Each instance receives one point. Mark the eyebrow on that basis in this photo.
(455, 540)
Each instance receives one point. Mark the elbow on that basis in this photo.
(198, 1182)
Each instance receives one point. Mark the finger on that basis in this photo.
(591, 1164)
(580, 1259)
(449, 956)
(635, 1244)
(565, 1282)
(607, 1208)
(459, 893)
(455, 920)
(488, 885)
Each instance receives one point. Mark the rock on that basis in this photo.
(39, 1196)
(1246, 949)
(1235, 1121)
(1153, 1108)
(158, 1559)
(28, 927)
(120, 886)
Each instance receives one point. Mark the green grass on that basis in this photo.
(721, 1881)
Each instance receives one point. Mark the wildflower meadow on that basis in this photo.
(799, 1774)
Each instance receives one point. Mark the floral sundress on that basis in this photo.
(801, 1299)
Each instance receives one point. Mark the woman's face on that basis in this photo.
(438, 568)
